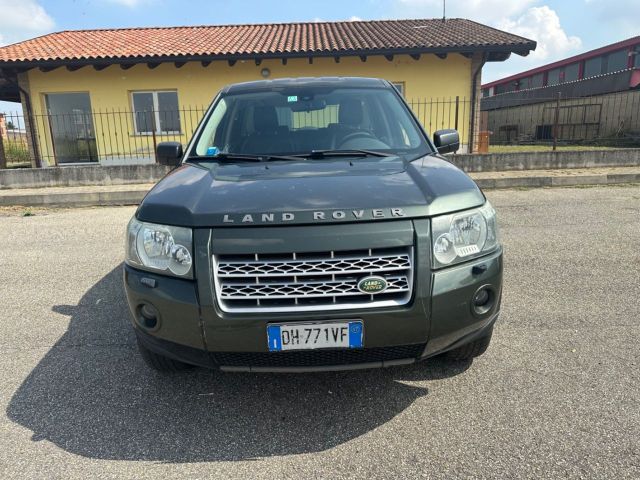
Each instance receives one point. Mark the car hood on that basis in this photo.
(308, 192)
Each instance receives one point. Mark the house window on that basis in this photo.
(571, 72)
(553, 77)
(156, 112)
(617, 61)
(537, 80)
(592, 67)
(636, 56)
(505, 88)
(399, 86)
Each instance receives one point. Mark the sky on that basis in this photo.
(561, 27)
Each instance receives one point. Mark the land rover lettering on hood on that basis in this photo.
(312, 224)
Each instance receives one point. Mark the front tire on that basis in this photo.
(471, 350)
(161, 363)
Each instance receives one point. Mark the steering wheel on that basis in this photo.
(353, 135)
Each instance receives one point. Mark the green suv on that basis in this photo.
(311, 224)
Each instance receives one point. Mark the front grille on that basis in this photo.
(311, 281)
(317, 358)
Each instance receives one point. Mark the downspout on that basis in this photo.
(29, 115)
(474, 87)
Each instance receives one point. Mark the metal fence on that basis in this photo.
(442, 113)
(119, 137)
(108, 137)
(601, 120)
(14, 150)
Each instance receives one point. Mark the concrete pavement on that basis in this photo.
(556, 394)
(95, 195)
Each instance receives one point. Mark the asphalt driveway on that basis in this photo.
(557, 393)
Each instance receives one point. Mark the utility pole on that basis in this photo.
(444, 10)
(3, 157)
(555, 122)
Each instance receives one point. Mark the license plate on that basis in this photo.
(308, 336)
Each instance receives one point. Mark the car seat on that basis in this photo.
(268, 135)
(350, 120)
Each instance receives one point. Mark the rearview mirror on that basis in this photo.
(447, 140)
(308, 105)
(169, 153)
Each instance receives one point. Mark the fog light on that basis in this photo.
(147, 316)
(481, 298)
(483, 301)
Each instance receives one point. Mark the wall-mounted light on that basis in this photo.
(265, 72)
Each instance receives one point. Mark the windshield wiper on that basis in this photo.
(316, 154)
(243, 157)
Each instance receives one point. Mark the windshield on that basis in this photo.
(298, 121)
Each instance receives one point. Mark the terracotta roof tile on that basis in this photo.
(322, 38)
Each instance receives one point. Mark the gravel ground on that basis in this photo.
(556, 394)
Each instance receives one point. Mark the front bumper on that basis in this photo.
(191, 328)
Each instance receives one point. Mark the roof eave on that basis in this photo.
(522, 50)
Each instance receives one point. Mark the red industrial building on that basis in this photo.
(592, 98)
(604, 63)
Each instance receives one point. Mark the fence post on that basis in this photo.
(153, 135)
(556, 118)
(457, 109)
(3, 157)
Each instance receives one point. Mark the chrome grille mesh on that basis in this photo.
(303, 289)
(295, 266)
(311, 281)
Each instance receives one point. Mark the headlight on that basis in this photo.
(463, 236)
(160, 248)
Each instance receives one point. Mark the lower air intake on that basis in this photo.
(317, 358)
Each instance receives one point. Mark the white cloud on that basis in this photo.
(353, 18)
(22, 19)
(485, 11)
(526, 18)
(521, 17)
(128, 3)
(542, 25)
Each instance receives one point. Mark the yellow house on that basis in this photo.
(109, 96)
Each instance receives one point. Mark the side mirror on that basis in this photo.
(169, 153)
(446, 140)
